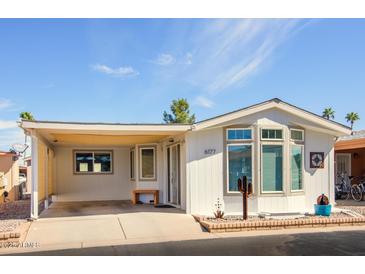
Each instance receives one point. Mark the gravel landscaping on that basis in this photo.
(12, 216)
(231, 218)
(357, 209)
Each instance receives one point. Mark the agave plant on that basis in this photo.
(218, 214)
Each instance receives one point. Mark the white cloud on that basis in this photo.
(5, 103)
(117, 72)
(8, 137)
(7, 124)
(165, 59)
(228, 52)
(203, 102)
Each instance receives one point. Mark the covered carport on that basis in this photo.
(57, 147)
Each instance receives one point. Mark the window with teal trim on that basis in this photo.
(239, 164)
(296, 162)
(272, 134)
(239, 134)
(272, 168)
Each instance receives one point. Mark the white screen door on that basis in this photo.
(343, 163)
(173, 168)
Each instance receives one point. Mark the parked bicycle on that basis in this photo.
(343, 186)
(358, 190)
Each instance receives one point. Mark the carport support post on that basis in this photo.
(34, 196)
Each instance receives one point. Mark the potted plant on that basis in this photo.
(323, 207)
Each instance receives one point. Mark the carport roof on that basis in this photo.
(83, 133)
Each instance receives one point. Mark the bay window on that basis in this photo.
(297, 135)
(296, 167)
(271, 134)
(272, 168)
(239, 134)
(239, 161)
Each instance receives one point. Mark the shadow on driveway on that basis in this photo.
(342, 243)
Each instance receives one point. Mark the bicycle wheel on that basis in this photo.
(356, 193)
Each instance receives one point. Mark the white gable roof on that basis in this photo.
(275, 103)
(334, 128)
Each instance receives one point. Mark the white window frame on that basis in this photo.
(227, 164)
(290, 168)
(141, 178)
(132, 173)
(262, 167)
(270, 139)
(295, 129)
(238, 140)
(110, 152)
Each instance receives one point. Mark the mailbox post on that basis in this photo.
(246, 189)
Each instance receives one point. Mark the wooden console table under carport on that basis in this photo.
(137, 192)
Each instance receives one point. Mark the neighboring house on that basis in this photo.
(287, 153)
(25, 168)
(9, 176)
(350, 154)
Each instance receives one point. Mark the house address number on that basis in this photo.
(209, 151)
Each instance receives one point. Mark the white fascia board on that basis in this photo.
(336, 129)
(80, 127)
(232, 116)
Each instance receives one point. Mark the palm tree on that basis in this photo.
(328, 113)
(25, 115)
(352, 117)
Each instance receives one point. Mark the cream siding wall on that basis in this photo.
(72, 187)
(42, 150)
(205, 173)
(46, 173)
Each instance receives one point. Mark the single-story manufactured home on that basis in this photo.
(286, 152)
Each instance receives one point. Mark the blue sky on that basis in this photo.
(129, 70)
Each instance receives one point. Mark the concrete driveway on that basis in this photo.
(85, 223)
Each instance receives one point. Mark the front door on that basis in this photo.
(343, 163)
(173, 170)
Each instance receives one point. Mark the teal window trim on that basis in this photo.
(301, 189)
(242, 139)
(274, 138)
(298, 130)
(228, 167)
(263, 191)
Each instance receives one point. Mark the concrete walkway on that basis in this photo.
(88, 223)
(121, 229)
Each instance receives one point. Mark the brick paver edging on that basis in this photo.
(276, 224)
(9, 235)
